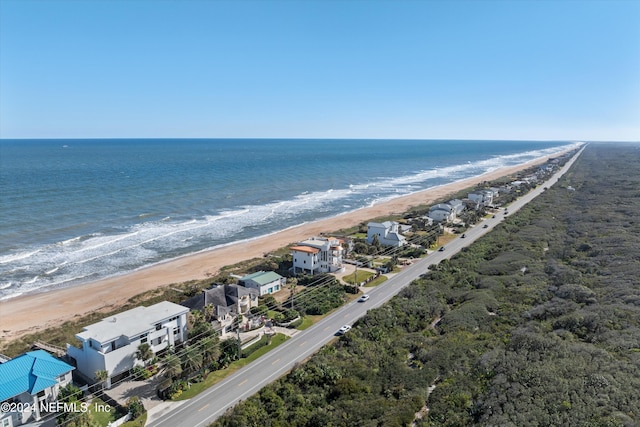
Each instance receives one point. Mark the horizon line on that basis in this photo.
(309, 138)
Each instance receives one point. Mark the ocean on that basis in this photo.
(75, 211)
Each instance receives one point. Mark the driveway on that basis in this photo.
(145, 390)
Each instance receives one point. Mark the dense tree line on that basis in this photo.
(537, 324)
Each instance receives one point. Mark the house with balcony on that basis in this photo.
(227, 302)
(265, 282)
(442, 212)
(483, 197)
(388, 233)
(111, 343)
(318, 255)
(457, 206)
(32, 381)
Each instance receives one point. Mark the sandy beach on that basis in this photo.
(30, 313)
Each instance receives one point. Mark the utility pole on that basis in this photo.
(293, 282)
(238, 328)
(355, 275)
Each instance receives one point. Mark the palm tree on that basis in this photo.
(208, 312)
(210, 349)
(172, 366)
(101, 376)
(194, 317)
(144, 352)
(193, 359)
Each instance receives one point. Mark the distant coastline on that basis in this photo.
(31, 312)
(78, 211)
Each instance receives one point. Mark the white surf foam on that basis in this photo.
(100, 255)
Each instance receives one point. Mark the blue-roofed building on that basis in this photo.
(29, 380)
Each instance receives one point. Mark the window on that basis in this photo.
(5, 422)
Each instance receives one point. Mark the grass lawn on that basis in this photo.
(307, 321)
(446, 238)
(271, 313)
(362, 275)
(138, 422)
(378, 280)
(216, 376)
(101, 413)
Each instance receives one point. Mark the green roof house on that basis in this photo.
(265, 282)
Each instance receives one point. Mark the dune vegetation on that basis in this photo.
(537, 324)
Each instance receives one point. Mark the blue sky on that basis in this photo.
(558, 70)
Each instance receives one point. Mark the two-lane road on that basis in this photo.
(210, 404)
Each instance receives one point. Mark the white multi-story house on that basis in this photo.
(484, 197)
(388, 233)
(442, 212)
(31, 382)
(111, 344)
(318, 255)
(265, 282)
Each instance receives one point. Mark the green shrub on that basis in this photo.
(295, 323)
(135, 407)
(141, 373)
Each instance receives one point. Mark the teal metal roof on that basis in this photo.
(262, 277)
(31, 372)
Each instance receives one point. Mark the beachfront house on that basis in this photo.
(111, 343)
(318, 255)
(32, 381)
(388, 233)
(457, 206)
(484, 197)
(226, 302)
(442, 212)
(265, 282)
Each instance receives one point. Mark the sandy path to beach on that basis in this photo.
(30, 313)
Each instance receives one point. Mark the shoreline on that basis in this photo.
(33, 312)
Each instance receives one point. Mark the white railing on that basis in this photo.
(119, 421)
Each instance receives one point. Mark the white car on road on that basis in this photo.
(344, 330)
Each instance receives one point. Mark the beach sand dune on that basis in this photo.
(30, 313)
